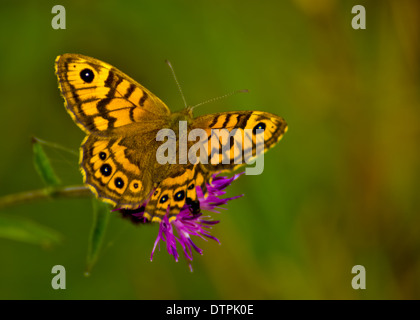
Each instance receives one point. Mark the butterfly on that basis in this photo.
(121, 119)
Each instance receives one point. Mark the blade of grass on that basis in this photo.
(56, 146)
(43, 165)
(101, 214)
(24, 230)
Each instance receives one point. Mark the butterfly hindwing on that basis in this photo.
(112, 174)
(176, 191)
(170, 194)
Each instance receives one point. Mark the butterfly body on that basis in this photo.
(122, 120)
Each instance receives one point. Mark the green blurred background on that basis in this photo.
(341, 188)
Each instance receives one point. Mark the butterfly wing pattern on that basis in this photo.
(245, 123)
(122, 118)
(101, 98)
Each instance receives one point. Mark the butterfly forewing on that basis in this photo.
(232, 137)
(100, 98)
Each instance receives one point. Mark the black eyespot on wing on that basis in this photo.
(102, 155)
(119, 183)
(191, 186)
(179, 196)
(135, 185)
(163, 199)
(106, 170)
(260, 125)
(87, 75)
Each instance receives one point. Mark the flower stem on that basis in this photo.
(44, 194)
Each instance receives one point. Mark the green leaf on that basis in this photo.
(101, 214)
(21, 229)
(43, 165)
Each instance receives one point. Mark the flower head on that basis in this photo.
(188, 224)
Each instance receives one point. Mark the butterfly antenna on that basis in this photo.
(221, 97)
(176, 80)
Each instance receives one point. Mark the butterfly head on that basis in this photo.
(185, 114)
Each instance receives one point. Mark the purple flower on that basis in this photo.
(188, 224)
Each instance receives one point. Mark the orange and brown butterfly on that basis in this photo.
(122, 118)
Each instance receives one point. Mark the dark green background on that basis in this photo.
(340, 189)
